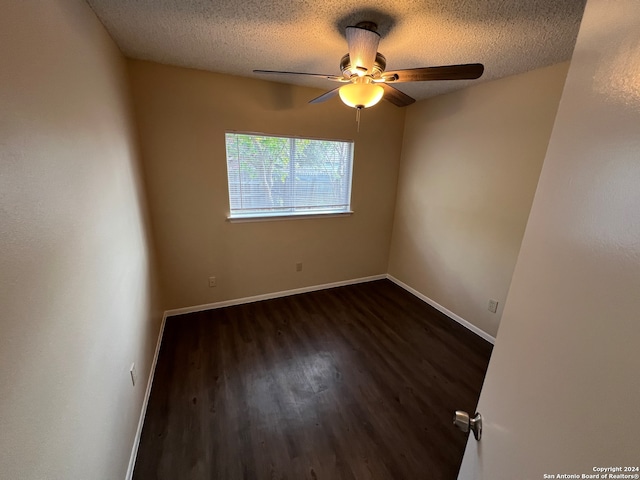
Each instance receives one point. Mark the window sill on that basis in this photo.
(293, 216)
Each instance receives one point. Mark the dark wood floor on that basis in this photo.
(356, 382)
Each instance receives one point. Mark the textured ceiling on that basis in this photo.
(237, 36)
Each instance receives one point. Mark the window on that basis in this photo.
(285, 176)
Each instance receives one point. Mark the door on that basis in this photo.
(562, 392)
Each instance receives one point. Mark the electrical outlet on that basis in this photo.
(298, 266)
(493, 305)
(134, 374)
(212, 282)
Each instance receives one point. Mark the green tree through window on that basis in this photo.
(275, 176)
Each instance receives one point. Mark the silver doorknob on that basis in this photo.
(464, 422)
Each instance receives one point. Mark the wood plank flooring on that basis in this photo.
(356, 382)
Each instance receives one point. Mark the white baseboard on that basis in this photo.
(447, 312)
(145, 401)
(269, 296)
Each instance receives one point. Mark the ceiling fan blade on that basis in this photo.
(469, 71)
(363, 46)
(334, 78)
(325, 96)
(395, 96)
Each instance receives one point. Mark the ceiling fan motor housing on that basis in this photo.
(379, 66)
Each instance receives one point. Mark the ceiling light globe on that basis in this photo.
(361, 95)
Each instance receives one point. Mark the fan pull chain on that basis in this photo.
(358, 118)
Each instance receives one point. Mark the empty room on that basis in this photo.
(287, 240)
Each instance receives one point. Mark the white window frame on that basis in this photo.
(243, 213)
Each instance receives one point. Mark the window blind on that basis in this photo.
(280, 176)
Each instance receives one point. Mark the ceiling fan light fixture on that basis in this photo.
(361, 94)
(366, 79)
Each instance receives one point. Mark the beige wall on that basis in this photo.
(182, 116)
(77, 301)
(469, 169)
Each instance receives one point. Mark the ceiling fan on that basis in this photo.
(364, 77)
